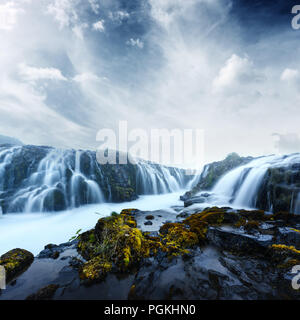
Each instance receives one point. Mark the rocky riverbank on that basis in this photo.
(217, 253)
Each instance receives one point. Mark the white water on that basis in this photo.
(51, 177)
(239, 187)
(297, 205)
(33, 231)
(155, 179)
(59, 181)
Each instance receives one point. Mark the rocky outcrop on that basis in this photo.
(218, 253)
(280, 189)
(214, 171)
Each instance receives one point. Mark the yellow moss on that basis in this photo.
(129, 211)
(197, 225)
(295, 230)
(175, 238)
(288, 264)
(240, 223)
(285, 248)
(95, 269)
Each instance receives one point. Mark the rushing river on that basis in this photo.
(33, 231)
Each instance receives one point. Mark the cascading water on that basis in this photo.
(6, 155)
(156, 179)
(297, 204)
(39, 179)
(48, 187)
(240, 187)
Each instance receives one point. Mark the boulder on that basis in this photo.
(16, 262)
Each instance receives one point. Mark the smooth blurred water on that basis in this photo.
(33, 231)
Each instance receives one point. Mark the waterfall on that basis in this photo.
(240, 186)
(39, 179)
(156, 179)
(6, 156)
(47, 188)
(297, 204)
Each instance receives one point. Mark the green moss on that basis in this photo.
(15, 262)
(95, 270)
(176, 238)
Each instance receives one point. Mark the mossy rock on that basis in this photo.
(254, 215)
(95, 270)
(16, 262)
(45, 293)
(283, 253)
(176, 238)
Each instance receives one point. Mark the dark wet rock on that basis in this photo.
(235, 240)
(45, 293)
(289, 236)
(50, 246)
(194, 200)
(53, 251)
(15, 262)
(149, 217)
(279, 189)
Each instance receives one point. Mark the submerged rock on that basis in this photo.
(45, 293)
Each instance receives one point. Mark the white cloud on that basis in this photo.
(236, 71)
(290, 75)
(32, 74)
(135, 43)
(165, 12)
(8, 15)
(99, 26)
(63, 12)
(118, 16)
(86, 77)
(94, 5)
(78, 30)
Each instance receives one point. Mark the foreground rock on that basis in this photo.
(15, 262)
(218, 253)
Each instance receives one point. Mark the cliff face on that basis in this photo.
(280, 189)
(38, 178)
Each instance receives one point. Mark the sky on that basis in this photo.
(229, 67)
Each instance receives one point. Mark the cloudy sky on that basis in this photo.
(229, 67)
